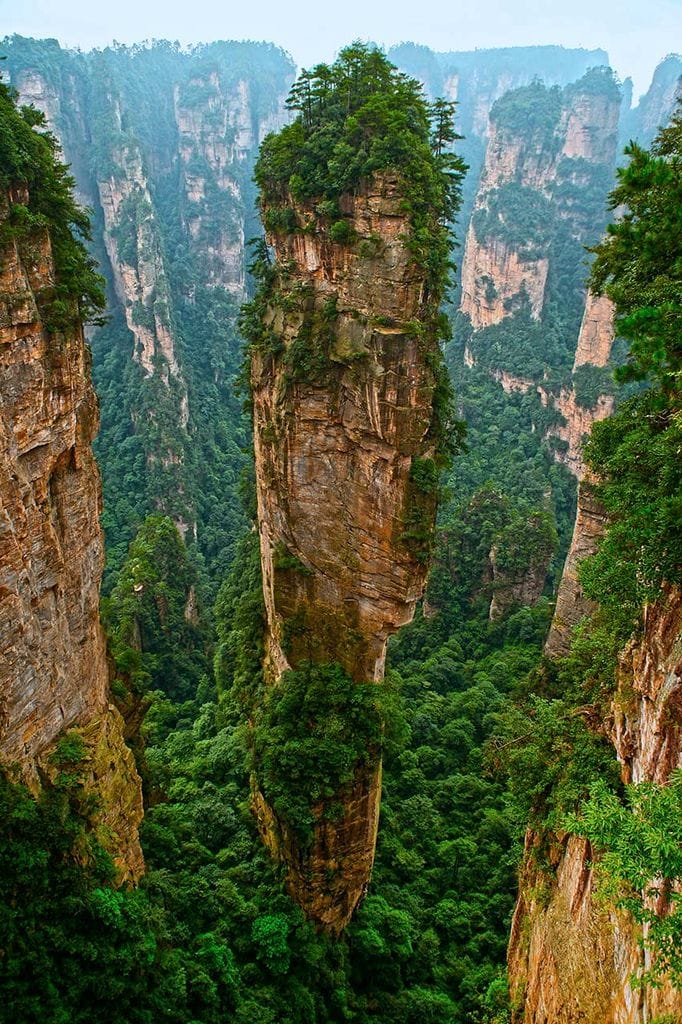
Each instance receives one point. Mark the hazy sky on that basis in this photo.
(635, 33)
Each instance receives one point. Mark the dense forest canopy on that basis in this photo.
(484, 737)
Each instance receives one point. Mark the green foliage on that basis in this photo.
(589, 382)
(552, 222)
(313, 733)
(639, 865)
(73, 948)
(153, 614)
(269, 934)
(638, 263)
(29, 161)
(285, 561)
(424, 475)
(550, 757)
(357, 117)
(517, 215)
(531, 111)
(117, 120)
(69, 751)
(636, 451)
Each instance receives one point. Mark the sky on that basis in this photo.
(637, 34)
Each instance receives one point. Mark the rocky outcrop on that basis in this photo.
(162, 142)
(546, 150)
(596, 332)
(53, 669)
(338, 427)
(572, 957)
(575, 425)
(216, 137)
(137, 263)
(571, 603)
(656, 106)
(515, 589)
(594, 349)
(493, 276)
(647, 717)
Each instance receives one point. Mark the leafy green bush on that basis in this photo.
(589, 382)
(639, 864)
(354, 118)
(314, 732)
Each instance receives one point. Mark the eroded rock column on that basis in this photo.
(343, 393)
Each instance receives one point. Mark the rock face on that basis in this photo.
(571, 603)
(596, 332)
(493, 275)
(162, 143)
(340, 516)
(527, 162)
(594, 349)
(53, 666)
(572, 957)
(656, 106)
(515, 589)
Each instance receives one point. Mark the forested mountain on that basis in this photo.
(480, 737)
(162, 143)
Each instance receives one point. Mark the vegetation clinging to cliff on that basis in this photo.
(636, 451)
(356, 117)
(29, 164)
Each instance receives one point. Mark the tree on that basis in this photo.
(640, 863)
(639, 263)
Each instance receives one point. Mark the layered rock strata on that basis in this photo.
(53, 668)
(573, 957)
(594, 348)
(342, 409)
(162, 142)
(544, 161)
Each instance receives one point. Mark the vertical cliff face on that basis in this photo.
(217, 139)
(594, 350)
(571, 955)
(571, 604)
(544, 147)
(53, 666)
(162, 143)
(656, 105)
(341, 518)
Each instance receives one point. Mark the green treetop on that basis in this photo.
(358, 116)
(639, 263)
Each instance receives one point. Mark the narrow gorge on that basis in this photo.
(53, 659)
(354, 691)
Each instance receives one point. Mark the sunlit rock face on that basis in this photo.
(334, 452)
(53, 668)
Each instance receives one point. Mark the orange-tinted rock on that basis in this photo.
(53, 670)
(492, 275)
(596, 332)
(333, 460)
(495, 272)
(572, 956)
(594, 347)
(571, 603)
(576, 426)
(647, 724)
